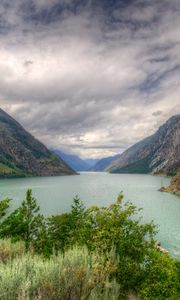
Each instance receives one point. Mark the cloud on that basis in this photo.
(91, 78)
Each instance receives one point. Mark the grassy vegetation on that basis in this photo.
(9, 250)
(9, 171)
(87, 254)
(74, 275)
(6, 170)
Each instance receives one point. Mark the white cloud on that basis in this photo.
(79, 81)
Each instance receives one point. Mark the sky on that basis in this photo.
(90, 77)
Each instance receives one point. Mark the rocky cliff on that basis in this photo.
(21, 154)
(159, 153)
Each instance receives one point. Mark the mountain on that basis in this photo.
(21, 154)
(91, 161)
(74, 161)
(159, 153)
(103, 163)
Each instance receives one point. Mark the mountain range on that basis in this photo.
(103, 163)
(75, 162)
(158, 153)
(23, 155)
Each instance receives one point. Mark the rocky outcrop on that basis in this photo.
(160, 248)
(174, 186)
(21, 154)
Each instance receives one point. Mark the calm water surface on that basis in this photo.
(55, 194)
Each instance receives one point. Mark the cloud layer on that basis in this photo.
(86, 78)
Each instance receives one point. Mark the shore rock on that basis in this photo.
(174, 186)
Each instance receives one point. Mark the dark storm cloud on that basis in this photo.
(93, 76)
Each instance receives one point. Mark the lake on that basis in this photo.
(55, 194)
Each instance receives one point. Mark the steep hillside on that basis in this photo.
(74, 161)
(159, 153)
(21, 154)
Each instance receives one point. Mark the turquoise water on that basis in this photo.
(55, 194)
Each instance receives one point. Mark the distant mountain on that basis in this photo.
(159, 153)
(21, 154)
(91, 161)
(74, 161)
(103, 163)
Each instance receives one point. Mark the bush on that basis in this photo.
(161, 278)
(120, 255)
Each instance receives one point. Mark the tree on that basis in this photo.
(25, 222)
(138, 266)
(66, 229)
(60, 232)
(77, 208)
(4, 205)
(29, 211)
(78, 222)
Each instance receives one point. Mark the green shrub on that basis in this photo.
(160, 279)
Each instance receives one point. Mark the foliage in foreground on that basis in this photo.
(116, 255)
(74, 276)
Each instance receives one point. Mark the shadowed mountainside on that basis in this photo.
(159, 153)
(21, 154)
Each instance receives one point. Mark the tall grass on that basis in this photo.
(9, 250)
(73, 276)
